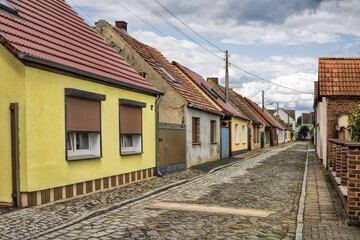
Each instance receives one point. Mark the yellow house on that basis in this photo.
(76, 118)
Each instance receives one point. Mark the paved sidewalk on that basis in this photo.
(324, 216)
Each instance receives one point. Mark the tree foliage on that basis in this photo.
(355, 124)
(304, 130)
(299, 121)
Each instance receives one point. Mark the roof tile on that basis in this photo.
(339, 77)
(185, 88)
(39, 31)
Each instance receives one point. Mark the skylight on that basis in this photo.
(167, 73)
(212, 91)
(7, 7)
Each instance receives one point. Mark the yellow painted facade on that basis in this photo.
(41, 99)
(12, 89)
(243, 142)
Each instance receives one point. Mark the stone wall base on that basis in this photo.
(29, 199)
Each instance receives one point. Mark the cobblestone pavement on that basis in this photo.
(270, 181)
(324, 216)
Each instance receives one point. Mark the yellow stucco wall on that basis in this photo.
(241, 146)
(12, 90)
(45, 130)
(42, 129)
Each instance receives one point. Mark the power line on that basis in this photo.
(83, 13)
(268, 81)
(156, 29)
(175, 27)
(191, 29)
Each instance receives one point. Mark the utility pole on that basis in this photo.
(263, 100)
(277, 108)
(226, 76)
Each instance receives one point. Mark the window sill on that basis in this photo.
(82, 157)
(237, 143)
(213, 142)
(130, 153)
(196, 144)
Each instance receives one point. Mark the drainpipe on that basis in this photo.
(158, 99)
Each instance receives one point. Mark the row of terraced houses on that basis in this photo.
(82, 109)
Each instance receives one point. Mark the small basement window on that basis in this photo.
(5, 5)
(167, 73)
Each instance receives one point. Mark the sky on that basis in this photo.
(271, 43)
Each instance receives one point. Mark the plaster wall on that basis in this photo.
(12, 90)
(205, 151)
(172, 104)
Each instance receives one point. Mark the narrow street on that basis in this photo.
(251, 198)
(268, 182)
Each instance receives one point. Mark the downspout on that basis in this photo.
(157, 103)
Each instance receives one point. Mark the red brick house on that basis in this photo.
(337, 95)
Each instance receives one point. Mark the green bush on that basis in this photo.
(355, 124)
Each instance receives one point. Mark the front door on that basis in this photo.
(262, 139)
(225, 134)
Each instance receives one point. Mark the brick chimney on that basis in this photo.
(213, 79)
(121, 25)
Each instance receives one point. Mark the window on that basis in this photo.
(237, 141)
(256, 137)
(212, 131)
(130, 115)
(83, 124)
(196, 130)
(7, 7)
(167, 73)
(243, 134)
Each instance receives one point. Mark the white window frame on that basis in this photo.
(136, 144)
(237, 134)
(76, 154)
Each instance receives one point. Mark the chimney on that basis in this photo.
(122, 25)
(213, 79)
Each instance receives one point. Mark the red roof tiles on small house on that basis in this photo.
(263, 115)
(169, 73)
(51, 33)
(339, 77)
(207, 89)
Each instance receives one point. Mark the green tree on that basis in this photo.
(304, 130)
(298, 121)
(355, 124)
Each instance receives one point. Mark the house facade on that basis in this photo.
(288, 119)
(337, 95)
(255, 128)
(197, 118)
(66, 117)
(236, 121)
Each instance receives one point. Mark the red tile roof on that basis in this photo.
(185, 88)
(227, 108)
(51, 33)
(264, 115)
(339, 77)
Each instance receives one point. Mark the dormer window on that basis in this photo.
(5, 5)
(167, 73)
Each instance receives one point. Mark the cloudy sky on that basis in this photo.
(270, 42)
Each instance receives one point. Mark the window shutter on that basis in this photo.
(82, 115)
(130, 120)
(194, 130)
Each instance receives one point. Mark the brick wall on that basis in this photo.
(336, 107)
(353, 183)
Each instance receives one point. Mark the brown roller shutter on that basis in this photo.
(130, 120)
(194, 130)
(82, 115)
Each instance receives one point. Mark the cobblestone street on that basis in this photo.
(252, 198)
